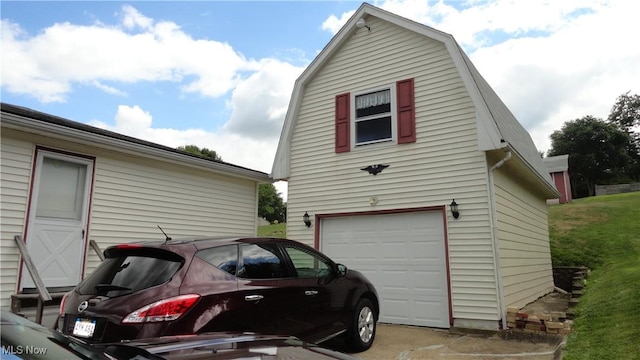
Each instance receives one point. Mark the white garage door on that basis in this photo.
(403, 255)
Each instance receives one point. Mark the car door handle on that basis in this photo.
(310, 292)
(253, 297)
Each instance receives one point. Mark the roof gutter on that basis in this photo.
(502, 310)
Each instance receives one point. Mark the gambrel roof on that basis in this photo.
(497, 127)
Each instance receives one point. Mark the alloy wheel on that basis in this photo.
(366, 324)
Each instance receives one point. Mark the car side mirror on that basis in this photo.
(342, 270)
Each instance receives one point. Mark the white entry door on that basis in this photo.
(403, 255)
(58, 216)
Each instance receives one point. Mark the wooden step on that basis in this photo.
(18, 301)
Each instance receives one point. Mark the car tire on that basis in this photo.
(363, 326)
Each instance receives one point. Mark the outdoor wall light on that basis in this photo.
(306, 220)
(454, 209)
(363, 24)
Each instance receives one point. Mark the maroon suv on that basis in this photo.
(263, 285)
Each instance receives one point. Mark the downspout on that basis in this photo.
(496, 246)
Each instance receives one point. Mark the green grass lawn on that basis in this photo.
(273, 230)
(602, 233)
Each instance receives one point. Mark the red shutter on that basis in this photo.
(343, 111)
(406, 112)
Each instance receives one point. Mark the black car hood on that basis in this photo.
(22, 337)
(229, 345)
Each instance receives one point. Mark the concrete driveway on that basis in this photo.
(398, 342)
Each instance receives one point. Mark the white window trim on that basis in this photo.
(394, 116)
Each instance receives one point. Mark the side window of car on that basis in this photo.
(308, 265)
(224, 258)
(261, 261)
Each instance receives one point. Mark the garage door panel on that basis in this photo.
(396, 310)
(403, 255)
(432, 307)
(420, 283)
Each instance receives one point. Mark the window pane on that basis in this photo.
(308, 265)
(61, 190)
(374, 129)
(224, 258)
(261, 262)
(373, 110)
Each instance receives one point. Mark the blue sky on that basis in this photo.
(219, 74)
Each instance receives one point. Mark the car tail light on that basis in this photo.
(64, 299)
(163, 310)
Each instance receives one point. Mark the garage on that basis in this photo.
(403, 254)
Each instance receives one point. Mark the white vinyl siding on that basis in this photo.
(131, 196)
(16, 171)
(524, 242)
(443, 164)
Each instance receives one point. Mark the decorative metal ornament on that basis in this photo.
(375, 169)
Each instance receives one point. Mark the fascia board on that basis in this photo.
(282, 161)
(545, 182)
(21, 123)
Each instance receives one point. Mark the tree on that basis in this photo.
(626, 114)
(598, 153)
(204, 152)
(270, 204)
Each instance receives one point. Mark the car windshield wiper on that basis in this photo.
(110, 287)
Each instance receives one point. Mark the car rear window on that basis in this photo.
(125, 271)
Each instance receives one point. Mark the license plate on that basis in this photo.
(84, 327)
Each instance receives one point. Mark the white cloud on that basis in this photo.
(108, 89)
(260, 102)
(47, 64)
(132, 18)
(578, 69)
(333, 23)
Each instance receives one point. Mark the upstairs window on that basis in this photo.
(373, 120)
(379, 115)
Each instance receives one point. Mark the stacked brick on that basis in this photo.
(555, 322)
